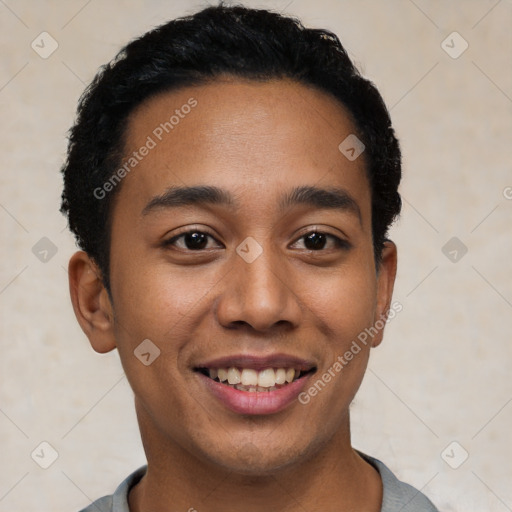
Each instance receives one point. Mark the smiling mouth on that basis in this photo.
(251, 380)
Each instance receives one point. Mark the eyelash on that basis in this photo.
(339, 243)
(171, 241)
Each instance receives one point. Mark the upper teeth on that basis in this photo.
(266, 378)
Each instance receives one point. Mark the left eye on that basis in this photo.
(316, 241)
(191, 240)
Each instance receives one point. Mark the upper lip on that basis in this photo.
(258, 362)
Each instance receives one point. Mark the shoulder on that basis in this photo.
(397, 493)
(117, 502)
(102, 505)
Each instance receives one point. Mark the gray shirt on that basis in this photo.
(397, 496)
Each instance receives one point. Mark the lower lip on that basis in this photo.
(255, 402)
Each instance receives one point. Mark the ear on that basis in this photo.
(386, 274)
(91, 302)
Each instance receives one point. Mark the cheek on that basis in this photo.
(352, 312)
(153, 310)
(154, 300)
(346, 304)
(345, 308)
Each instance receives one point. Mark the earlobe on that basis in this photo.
(91, 302)
(385, 283)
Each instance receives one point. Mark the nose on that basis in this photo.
(260, 294)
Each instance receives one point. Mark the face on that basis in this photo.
(242, 249)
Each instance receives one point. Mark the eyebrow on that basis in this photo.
(185, 196)
(331, 198)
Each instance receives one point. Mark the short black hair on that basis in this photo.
(255, 44)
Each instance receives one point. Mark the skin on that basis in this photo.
(256, 141)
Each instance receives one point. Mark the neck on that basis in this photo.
(334, 478)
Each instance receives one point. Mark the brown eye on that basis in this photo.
(318, 241)
(190, 240)
(315, 241)
(195, 240)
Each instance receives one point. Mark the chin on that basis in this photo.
(258, 460)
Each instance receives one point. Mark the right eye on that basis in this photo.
(192, 240)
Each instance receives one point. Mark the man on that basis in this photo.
(231, 179)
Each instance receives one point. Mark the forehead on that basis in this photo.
(244, 135)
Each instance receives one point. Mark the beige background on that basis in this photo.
(443, 371)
